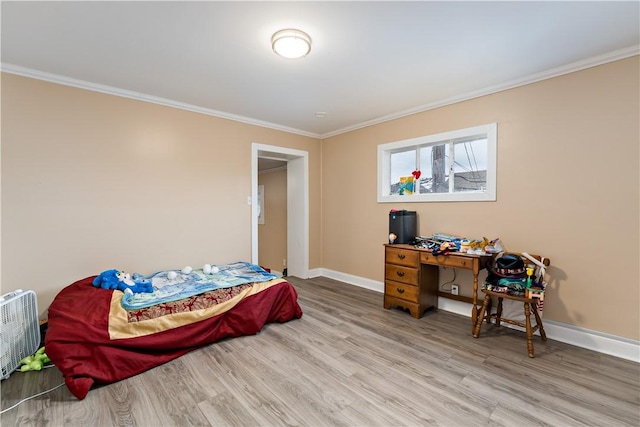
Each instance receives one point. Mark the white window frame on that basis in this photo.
(448, 138)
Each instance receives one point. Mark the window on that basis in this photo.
(451, 166)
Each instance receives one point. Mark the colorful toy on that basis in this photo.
(35, 362)
(444, 248)
(529, 274)
(117, 279)
(539, 294)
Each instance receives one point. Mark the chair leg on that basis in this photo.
(489, 308)
(499, 312)
(480, 319)
(527, 322)
(543, 335)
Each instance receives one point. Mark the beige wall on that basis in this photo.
(272, 235)
(92, 181)
(568, 188)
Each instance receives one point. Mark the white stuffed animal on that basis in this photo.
(210, 269)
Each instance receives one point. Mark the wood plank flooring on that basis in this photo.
(349, 362)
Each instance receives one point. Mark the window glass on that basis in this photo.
(470, 166)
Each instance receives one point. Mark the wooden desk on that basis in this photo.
(407, 265)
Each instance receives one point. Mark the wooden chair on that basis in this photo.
(530, 303)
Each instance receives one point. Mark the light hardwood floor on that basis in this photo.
(349, 362)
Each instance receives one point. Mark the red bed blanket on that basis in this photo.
(92, 339)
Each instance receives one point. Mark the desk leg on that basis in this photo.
(474, 308)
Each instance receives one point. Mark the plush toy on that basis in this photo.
(210, 269)
(35, 362)
(116, 279)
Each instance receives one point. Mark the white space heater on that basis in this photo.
(19, 330)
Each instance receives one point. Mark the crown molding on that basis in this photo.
(612, 56)
(110, 90)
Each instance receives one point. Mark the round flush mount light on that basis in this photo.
(291, 44)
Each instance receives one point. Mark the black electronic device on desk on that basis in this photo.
(403, 226)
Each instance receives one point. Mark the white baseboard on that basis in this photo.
(581, 337)
(601, 342)
(315, 272)
(374, 285)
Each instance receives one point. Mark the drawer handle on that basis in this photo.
(400, 273)
(400, 290)
(401, 256)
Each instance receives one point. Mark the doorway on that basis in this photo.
(297, 166)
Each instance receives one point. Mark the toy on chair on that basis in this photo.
(529, 274)
(117, 279)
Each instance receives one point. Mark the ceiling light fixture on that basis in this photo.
(291, 44)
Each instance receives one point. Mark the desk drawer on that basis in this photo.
(401, 290)
(401, 257)
(401, 274)
(447, 261)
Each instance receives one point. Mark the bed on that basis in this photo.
(93, 339)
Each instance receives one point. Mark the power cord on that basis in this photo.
(450, 282)
(35, 395)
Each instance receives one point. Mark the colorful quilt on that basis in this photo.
(195, 283)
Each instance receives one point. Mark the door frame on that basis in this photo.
(297, 205)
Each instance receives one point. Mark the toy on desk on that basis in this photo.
(481, 247)
(492, 247)
(444, 248)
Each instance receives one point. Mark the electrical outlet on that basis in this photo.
(454, 289)
(284, 262)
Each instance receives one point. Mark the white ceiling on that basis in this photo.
(370, 61)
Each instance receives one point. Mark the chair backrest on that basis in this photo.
(545, 261)
(537, 262)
